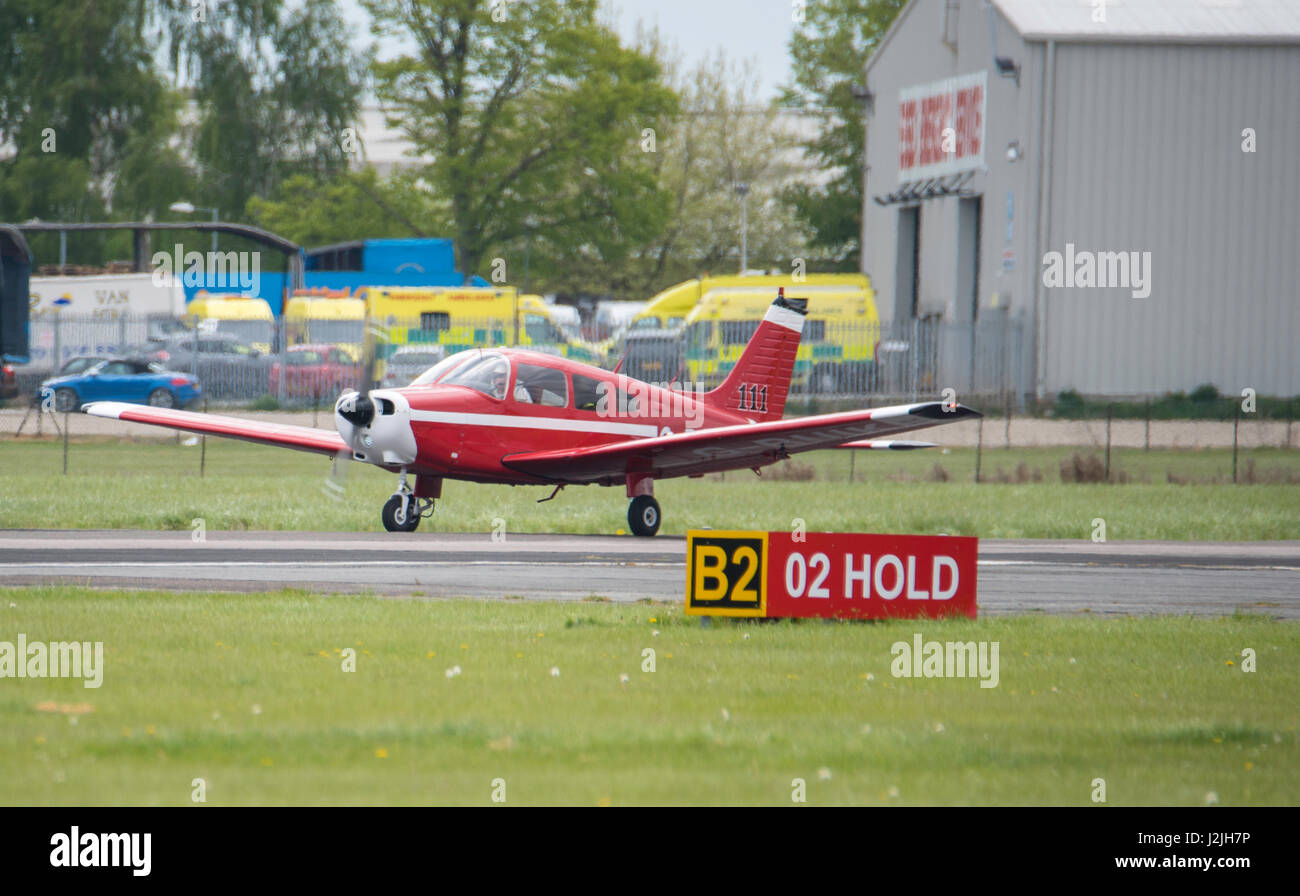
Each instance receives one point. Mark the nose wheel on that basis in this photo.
(643, 515)
(402, 512)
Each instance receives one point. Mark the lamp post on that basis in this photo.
(530, 227)
(742, 190)
(186, 208)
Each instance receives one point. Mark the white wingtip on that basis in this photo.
(111, 409)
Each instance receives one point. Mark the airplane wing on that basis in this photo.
(734, 447)
(302, 438)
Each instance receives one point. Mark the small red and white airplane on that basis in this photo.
(528, 418)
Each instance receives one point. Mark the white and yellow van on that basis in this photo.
(319, 317)
(669, 308)
(458, 318)
(248, 318)
(840, 332)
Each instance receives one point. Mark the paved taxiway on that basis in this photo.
(1014, 576)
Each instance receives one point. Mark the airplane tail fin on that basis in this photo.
(759, 383)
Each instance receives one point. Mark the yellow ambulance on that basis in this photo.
(669, 308)
(326, 317)
(466, 317)
(839, 336)
(248, 318)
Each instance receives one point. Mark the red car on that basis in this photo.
(8, 381)
(315, 371)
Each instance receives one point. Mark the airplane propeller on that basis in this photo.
(358, 409)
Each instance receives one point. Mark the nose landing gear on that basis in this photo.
(404, 510)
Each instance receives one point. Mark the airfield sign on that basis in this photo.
(830, 575)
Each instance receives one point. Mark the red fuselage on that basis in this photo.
(464, 432)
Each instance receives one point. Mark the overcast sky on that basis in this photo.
(758, 29)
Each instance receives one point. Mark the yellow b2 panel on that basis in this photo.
(726, 573)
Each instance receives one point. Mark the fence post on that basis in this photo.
(1006, 426)
(1236, 419)
(284, 369)
(979, 447)
(916, 356)
(1146, 441)
(58, 341)
(65, 443)
(203, 444)
(1109, 409)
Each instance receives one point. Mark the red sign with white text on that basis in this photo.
(830, 575)
(941, 127)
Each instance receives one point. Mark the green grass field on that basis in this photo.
(248, 693)
(155, 485)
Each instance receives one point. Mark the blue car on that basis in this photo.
(121, 379)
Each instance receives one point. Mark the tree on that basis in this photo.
(723, 138)
(276, 87)
(79, 97)
(829, 51)
(352, 206)
(528, 110)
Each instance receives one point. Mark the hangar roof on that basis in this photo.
(1173, 21)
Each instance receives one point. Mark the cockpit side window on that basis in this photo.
(444, 367)
(488, 375)
(588, 392)
(541, 385)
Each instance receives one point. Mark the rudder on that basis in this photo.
(759, 383)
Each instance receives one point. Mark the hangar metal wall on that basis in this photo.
(1147, 156)
(915, 53)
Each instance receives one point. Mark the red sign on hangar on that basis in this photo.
(830, 575)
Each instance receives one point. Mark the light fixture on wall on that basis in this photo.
(864, 96)
(1013, 151)
(1007, 67)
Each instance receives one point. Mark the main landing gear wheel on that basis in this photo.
(400, 514)
(643, 515)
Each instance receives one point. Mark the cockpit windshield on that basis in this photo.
(445, 366)
(489, 375)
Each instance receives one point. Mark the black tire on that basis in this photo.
(390, 514)
(643, 515)
(66, 400)
(162, 398)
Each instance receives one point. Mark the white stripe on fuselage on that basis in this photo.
(503, 421)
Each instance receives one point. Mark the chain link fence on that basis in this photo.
(901, 361)
(306, 363)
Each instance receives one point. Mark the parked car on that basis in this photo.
(131, 380)
(8, 381)
(408, 362)
(227, 367)
(80, 364)
(312, 371)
